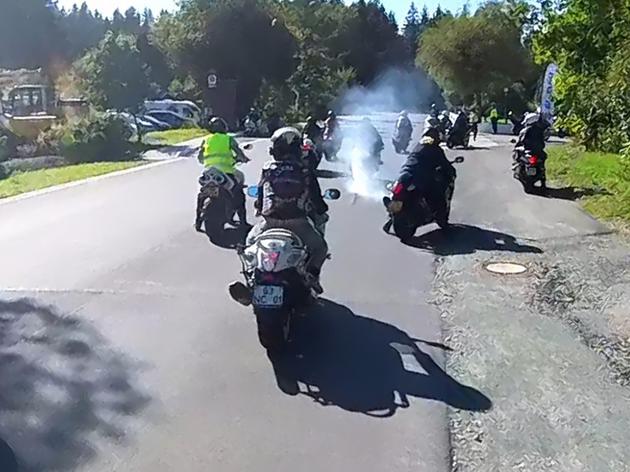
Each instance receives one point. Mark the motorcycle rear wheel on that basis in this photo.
(403, 229)
(273, 331)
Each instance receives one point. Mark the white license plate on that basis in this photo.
(531, 171)
(268, 295)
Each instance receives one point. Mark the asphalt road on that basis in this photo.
(120, 349)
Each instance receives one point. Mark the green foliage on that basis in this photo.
(605, 174)
(114, 74)
(590, 42)
(477, 56)
(100, 137)
(236, 38)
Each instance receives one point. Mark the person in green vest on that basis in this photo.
(494, 118)
(221, 151)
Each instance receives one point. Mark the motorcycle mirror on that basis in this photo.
(252, 191)
(332, 194)
(389, 185)
(459, 159)
(248, 146)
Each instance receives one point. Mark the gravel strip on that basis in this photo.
(550, 349)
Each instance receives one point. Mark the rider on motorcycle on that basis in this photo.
(372, 138)
(532, 137)
(461, 124)
(429, 170)
(403, 125)
(331, 128)
(289, 197)
(221, 151)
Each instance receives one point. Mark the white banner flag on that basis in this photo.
(546, 105)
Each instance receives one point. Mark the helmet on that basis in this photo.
(531, 118)
(218, 125)
(404, 113)
(431, 135)
(286, 143)
(310, 119)
(331, 114)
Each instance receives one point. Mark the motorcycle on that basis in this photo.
(433, 122)
(459, 138)
(218, 208)
(409, 209)
(528, 168)
(401, 139)
(253, 128)
(332, 144)
(275, 271)
(312, 152)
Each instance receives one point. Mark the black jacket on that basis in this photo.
(298, 196)
(532, 138)
(427, 166)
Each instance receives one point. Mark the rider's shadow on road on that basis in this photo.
(61, 388)
(466, 239)
(366, 366)
(230, 237)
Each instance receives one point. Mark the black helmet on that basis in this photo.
(218, 125)
(286, 143)
(431, 135)
(331, 114)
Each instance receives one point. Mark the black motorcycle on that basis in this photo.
(529, 168)
(409, 208)
(459, 137)
(218, 205)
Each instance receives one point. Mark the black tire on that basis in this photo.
(403, 229)
(214, 219)
(272, 332)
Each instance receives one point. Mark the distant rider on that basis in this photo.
(532, 138)
(372, 138)
(219, 150)
(289, 197)
(313, 131)
(403, 124)
(461, 124)
(333, 138)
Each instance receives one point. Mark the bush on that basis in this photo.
(99, 137)
(7, 146)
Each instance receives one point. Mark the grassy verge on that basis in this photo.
(22, 182)
(602, 177)
(174, 136)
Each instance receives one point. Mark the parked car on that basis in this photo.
(183, 108)
(159, 125)
(171, 118)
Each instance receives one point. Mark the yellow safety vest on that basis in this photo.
(494, 113)
(217, 152)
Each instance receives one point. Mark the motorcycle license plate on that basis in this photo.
(268, 295)
(531, 171)
(395, 206)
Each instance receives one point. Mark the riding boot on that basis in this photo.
(199, 213)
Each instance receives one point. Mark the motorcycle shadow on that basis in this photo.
(230, 237)
(571, 193)
(353, 362)
(461, 239)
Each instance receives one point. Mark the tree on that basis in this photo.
(30, 34)
(590, 42)
(114, 75)
(236, 38)
(412, 28)
(82, 29)
(475, 57)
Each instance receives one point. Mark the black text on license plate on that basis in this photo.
(531, 171)
(268, 295)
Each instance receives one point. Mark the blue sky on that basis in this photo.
(399, 7)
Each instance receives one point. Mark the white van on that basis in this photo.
(183, 108)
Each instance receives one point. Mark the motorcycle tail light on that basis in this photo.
(398, 190)
(533, 160)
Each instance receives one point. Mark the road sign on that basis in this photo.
(212, 81)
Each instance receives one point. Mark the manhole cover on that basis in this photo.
(506, 268)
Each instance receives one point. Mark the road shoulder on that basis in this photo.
(550, 347)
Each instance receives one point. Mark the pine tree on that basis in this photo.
(412, 28)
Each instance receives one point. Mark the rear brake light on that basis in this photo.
(269, 260)
(533, 160)
(398, 189)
